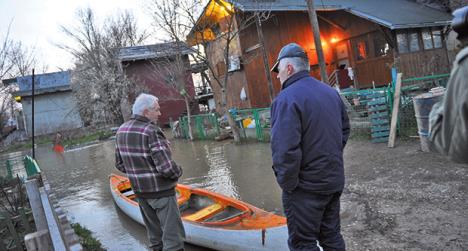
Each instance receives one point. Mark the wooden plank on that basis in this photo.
(379, 115)
(39, 240)
(396, 105)
(205, 212)
(380, 140)
(54, 228)
(32, 189)
(376, 95)
(380, 134)
(378, 101)
(380, 128)
(377, 108)
(376, 122)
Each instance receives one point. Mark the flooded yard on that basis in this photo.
(395, 199)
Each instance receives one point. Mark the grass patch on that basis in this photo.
(87, 240)
(88, 138)
(48, 140)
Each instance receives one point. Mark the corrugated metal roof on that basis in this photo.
(153, 51)
(48, 82)
(394, 14)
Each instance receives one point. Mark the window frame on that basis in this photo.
(419, 31)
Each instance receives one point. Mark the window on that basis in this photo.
(402, 41)
(361, 50)
(381, 47)
(437, 38)
(414, 42)
(427, 40)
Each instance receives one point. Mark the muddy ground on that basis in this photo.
(403, 199)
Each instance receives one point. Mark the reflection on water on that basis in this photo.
(80, 180)
(219, 178)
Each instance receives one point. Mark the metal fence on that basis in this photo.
(411, 87)
(367, 123)
(11, 167)
(15, 213)
(369, 111)
(254, 124)
(204, 126)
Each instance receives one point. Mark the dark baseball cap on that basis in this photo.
(291, 50)
(460, 22)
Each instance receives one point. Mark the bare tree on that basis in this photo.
(5, 47)
(98, 80)
(176, 69)
(16, 59)
(178, 19)
(23, 59)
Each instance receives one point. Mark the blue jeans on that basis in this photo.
(313, 217)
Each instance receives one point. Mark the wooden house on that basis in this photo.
(367, 38)
(152, 67)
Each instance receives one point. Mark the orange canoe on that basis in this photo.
(213, 220)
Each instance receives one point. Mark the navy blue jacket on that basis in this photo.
(309, 130)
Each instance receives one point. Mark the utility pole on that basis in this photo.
(32, 115)
(317, 40)
(261, 40)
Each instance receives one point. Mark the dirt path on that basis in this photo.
(403, 199)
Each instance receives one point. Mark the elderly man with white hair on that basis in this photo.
(143, 153)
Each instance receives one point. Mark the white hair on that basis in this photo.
(299, 64)
(143, 101)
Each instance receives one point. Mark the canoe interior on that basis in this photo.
(209, 209)
(198, 208)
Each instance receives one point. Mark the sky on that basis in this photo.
(36, 23)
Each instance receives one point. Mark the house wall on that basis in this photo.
(53, 112)
(279, 30)
(424, 63)
(339, 29)
(375, 68)
(236, 79)
(154, 82)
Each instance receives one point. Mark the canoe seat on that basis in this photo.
(128, 193)
(205, 212)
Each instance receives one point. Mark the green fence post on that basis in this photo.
(9, 169)
(215, 117)
(26, 165)
(184, 125)
(199, 125)
(258, 127)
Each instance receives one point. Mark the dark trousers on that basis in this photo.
(163, 223)
(313, 218)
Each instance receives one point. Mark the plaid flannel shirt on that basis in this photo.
(143, 153)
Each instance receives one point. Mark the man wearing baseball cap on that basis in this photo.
(309, 130)
(449, 118)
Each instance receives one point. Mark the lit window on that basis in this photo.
(361, 47)
(381, 46)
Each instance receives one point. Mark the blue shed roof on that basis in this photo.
(44, 83)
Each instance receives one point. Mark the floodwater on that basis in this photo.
(79, 177)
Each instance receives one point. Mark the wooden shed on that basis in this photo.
(362, 38)
(148, 65)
